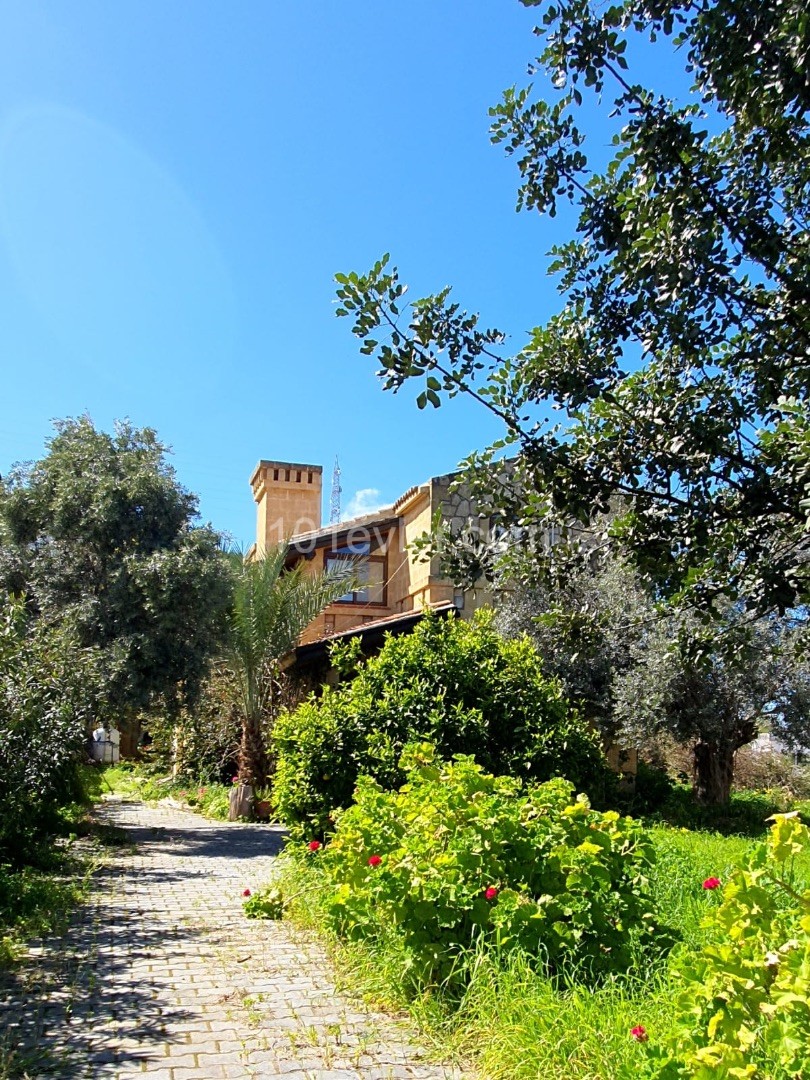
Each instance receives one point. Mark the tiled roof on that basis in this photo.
(314, 538)
(406, 495)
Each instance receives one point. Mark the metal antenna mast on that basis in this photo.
(336, 493)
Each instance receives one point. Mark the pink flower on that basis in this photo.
(491, 893)
(314, 845)
(201, 791)
(235, 780)
(246, 892)
(639, 1033)
(375, 860)
(712, 883)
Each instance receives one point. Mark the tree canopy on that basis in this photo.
(630, 667)
(680, 355)
(98, 536)
(46, 707)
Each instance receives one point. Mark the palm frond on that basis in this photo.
(272, 607)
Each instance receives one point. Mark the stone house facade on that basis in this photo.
(397, 581)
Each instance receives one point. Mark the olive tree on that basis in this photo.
(100, 537)
(633, 667)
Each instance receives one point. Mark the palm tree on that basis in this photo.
(271, 608)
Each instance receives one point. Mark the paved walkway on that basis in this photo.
(161, 975)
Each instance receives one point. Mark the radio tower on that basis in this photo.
(336, 493)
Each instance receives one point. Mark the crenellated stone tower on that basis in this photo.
(288, 495)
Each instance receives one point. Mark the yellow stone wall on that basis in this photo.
(288, 497)
(412, 582)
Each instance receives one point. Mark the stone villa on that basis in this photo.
(396, 583)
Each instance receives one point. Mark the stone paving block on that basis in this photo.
(238, 1071)
(336, 1074)
(153, 977)
(181, 1061)
(206, 1059)
(214, 1072)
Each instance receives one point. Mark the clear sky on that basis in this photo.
(181, 179)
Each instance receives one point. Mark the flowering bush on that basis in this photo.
(571, 882)
(744, 1006)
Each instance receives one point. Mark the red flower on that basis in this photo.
(314, 845)
(201, 791)
(246, 892)
(712, 883)
(639, 1033)
(375, 860)
(491, 893)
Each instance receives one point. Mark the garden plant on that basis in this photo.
(433, 899)
(459, 859)
(457, 684)
(743, 1000)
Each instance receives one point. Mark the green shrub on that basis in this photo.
(46, 706)
(652, 789)
(744, 999)
(457, 684)
(200, 744)
(459, 859)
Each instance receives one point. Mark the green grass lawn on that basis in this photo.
(35, 901)
(132, 781)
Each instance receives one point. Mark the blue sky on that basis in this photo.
(179, 182)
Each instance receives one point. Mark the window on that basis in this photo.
(370, 572)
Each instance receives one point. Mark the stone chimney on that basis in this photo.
(288, 496)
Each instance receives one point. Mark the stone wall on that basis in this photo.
(288, 497)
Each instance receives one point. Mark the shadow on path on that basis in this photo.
(113, 991)
(58, 1011)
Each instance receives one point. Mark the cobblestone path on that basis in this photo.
(161, 975)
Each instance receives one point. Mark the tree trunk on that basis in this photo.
(240, 802)
(253, 753)
(714, 771)
(714, 758)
